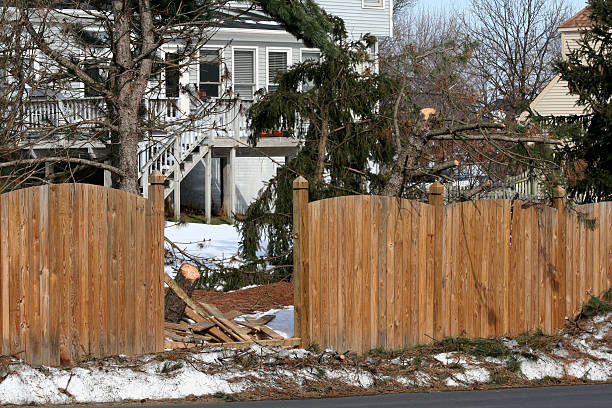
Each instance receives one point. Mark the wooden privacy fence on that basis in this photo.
(374, 271)
(81, 272)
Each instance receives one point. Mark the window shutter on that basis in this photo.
(244, 73)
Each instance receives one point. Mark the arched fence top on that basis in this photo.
(81, 271)
(373, 271)
(73, 186)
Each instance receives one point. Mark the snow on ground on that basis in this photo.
(584, 355)
(203, 240)
(282, 322)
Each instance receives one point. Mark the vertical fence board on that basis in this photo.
(389, 280)
(342, 275)
(405, 328)
(367, 272)
(324, 271)
(4, 275)
(374, 301)
(35, 334)
(400, 275)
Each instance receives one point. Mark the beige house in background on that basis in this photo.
(555, 98)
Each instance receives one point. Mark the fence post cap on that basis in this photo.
(558, 192)
(436, 188)
(156, 178)
(300, 183)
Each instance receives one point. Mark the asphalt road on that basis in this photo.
(590, 396)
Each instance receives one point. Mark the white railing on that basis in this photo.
(52, 113)
(524, 186)
(165, 154)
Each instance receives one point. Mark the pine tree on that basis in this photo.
(333, 109)
(588, 70)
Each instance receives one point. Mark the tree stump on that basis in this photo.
(187, 278)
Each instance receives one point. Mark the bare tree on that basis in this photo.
(517, 43)
(440, 128)
(117, 53)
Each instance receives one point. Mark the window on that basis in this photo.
(310, 55)
(172, 75)
(97, 74)
(277, 64)
(210, 78)
(372, 3)
(244, 73)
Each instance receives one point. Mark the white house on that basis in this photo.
(555, 98)
(214, 168)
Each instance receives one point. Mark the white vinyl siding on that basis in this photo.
(360, 18)
(244, 72)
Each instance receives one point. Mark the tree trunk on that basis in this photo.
(187, 278)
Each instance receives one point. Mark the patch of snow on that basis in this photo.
(359, 378)
(282, 322)
(544, 366)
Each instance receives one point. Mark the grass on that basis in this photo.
(381, 352)
(169, 367)
(597, 305)
(536, 341)
(476, 347)
(201, 219)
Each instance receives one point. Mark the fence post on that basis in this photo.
(436, 198)
(560, 296)
(156, 196)
(300, 261)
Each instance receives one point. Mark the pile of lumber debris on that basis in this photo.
(190, 323)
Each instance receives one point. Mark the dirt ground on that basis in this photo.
(261, 298)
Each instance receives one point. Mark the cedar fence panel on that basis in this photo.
(376, 271)
(80, 273)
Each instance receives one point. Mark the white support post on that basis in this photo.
(108, 181)
(232, 183)
(207, 184)
(177, 180)
(145, 182)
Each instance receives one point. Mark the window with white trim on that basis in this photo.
(372, 3)
(277, 64)
(209, 74)
(244, 73)
(310, 55)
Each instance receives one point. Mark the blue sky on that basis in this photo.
(464, 4)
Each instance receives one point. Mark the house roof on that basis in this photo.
(580, 19)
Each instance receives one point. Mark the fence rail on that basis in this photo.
(80, 272)
(376, 271)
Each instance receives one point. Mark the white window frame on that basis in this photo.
(380, 5)
(255, 64)
(302, 51)
(222, 84)
(288, 51)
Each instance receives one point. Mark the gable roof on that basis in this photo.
(580, 19)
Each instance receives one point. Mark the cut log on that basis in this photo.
(187, 279)
(204, 310)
